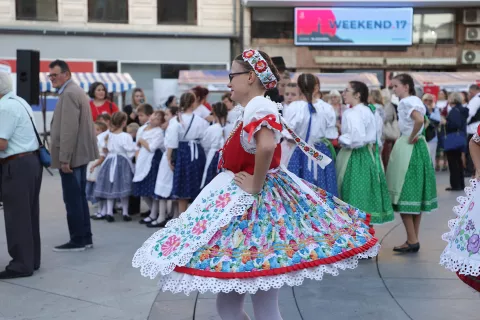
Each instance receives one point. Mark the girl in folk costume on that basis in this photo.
(213, 141)
(331, 133)
(190, 156)
(462, 254)
(93, 167)
(310, 122)
(150, 144)
(288, 146)
(164, 183)
(410, 175)
(114, 179)
(256, 227)
(361, 179)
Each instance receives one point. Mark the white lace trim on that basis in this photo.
(179, 282)
(450, 259)
(251, 147)
(151, 267)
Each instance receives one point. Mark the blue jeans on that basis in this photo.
(75, 199)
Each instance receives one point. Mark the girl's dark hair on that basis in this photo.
(93, 87)
(248, 67)
(362, 89)
(465, 95)
(220, 110)
(173, 110)
(118, 118)
(200, 92)
(105, 117)
(169, 101)
(186, 101)
(101, 125)
(160, 114)
(445, 92)
(407, 79)
(274, 95)
(306, 84)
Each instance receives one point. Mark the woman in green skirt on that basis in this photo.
(410, 174)
(360, 177)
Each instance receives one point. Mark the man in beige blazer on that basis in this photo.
(73, 146)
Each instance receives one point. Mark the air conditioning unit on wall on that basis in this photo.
(472, 34)
(471, 16)
(471, 57)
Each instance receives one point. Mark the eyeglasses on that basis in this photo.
(54, 75)
(232, 75)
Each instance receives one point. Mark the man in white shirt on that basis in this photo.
(472, 122)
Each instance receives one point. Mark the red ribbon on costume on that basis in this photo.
(271, 119)
(478, 130)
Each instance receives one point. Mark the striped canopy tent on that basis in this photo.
(115, 82)
(217, 80)
(339, 81)
(450, 81)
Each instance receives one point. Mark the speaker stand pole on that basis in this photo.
(43, 101)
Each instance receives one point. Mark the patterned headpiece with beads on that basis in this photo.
(261, 68)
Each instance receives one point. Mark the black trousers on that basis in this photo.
(21, 179)
(455, 166)
(470, 167)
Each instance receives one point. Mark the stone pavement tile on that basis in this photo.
(423, 270)
(168, 296)
(18, 302)
(431, 289)
(338, 288)
(172, 310)
(136, 305)
(441, 309)
(95, 312)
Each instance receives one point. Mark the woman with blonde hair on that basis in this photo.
(138, 98)
(391, 130)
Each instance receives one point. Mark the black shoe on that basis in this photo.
(9, 274)
(69, 247)
(36, 268)
(127, 218)
(453, 189)
(109, 218)
(97, 217)
(145, 214)
(409, 248)
(154, 224)
(147, 220)
(1, 205)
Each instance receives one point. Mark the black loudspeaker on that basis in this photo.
(279, 63)
(28, 73)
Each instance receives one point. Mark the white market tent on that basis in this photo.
(450, 81)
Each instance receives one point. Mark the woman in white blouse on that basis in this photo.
(312, 121)
(360, 176)
(410, 175)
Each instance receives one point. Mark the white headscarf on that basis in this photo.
(5, 83)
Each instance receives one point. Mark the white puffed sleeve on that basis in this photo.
(330, 118)
(157, 140)
(353, 130)
(413, 103)
(128, 145)
(213, 138)
(379, 125)
(172, 134)
(259, 112)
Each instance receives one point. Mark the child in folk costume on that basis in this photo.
(93, 167)
(462, 254)
(291, 95)
(150, 144)
(190, 156)
(255, 227)
(164, 182)
(360, 175)
(410, 176)
(311, 122)
(213, 141)
(114, 179)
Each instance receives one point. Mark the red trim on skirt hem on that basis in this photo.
(283, 270)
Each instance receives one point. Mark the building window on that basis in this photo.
(40, 10)
(434, 28)
(108, 11)
(177, 11)
(272, 23)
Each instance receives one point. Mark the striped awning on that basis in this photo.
(115, 82)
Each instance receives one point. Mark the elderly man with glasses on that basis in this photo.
(20, 181)
(73, 146)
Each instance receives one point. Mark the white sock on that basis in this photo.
(110, 204)
(230, 306)
(162, 211)
(101, 209)
(265, 305)
(154, 210)
(125, 206)
(148, 201)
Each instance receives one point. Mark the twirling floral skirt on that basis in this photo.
(229, 240)
(462, 254)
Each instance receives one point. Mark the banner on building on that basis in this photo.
(353, 26)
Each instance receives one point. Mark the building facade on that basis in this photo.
(150, 39)
(446, 37)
